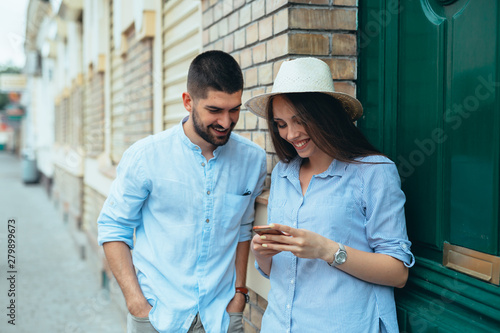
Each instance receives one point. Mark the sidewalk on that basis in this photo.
(54, 289)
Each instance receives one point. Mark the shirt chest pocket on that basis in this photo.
(235, 205)
(229, 221)
(276, 213)
(331, 217)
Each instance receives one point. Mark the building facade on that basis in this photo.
(107, 73)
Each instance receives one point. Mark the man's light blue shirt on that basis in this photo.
(188, 215)
(358, 205)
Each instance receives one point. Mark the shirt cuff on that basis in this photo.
(115, 234)
(260, 270)
(400, 250)
(409, 259)
(245, 232)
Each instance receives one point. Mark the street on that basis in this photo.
(44, 284)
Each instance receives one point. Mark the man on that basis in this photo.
(188, 192)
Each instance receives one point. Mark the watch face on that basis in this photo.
(341, 258)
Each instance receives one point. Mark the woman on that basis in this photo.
(340, 205)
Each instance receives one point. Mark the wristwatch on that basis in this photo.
(244, 291)
(340, 256)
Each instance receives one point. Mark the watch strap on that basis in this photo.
(244, 291)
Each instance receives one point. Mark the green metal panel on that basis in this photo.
(371, 66)
(427, 78)
(470, 123)
(421, 73)
(428, 81)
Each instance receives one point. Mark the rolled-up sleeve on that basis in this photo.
(260, 270)
(121, 212)
(385, 218)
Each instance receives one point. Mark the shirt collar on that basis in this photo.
(336, 168)
(190, 144)
(184, 137)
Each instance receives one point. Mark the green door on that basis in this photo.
(429, 81)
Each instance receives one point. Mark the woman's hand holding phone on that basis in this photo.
(259, 241)
(301, 242)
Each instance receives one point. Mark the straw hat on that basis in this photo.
(304, 75)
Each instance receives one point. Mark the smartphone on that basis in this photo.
(264, 229)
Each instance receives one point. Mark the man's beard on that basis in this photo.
(206, 134)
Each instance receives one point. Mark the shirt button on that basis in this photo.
(291, 281)
(208, 192)
(207, 220)
(288, 306)
(202, 164)
(197, 148)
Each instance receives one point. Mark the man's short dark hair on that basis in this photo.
(215, 70)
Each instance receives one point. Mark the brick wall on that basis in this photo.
(68, 116)
(252, 315)
(93, 118)
(62, 120)
(261, 34)
(133, 118)
(75, 116)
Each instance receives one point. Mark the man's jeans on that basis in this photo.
(142, 325)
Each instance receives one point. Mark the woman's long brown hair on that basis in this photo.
(328, 125)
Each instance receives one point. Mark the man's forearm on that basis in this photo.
(242, 251)
(237, 304)
(120, 262)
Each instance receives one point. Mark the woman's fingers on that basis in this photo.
(259, 247)
(289, 231)
(302, 243)
(299, 237)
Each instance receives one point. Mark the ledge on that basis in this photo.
(106, 166)
(263, 199)
(101, 63)
(77, 82)
(124, 40)
(69, 159)
(148, 25)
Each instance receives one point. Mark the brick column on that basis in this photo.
(93, 119)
